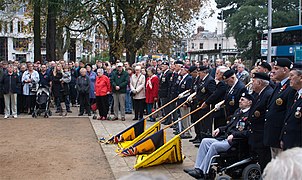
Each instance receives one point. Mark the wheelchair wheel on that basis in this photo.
(252, 172)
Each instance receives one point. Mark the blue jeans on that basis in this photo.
(149, 110)
(128, 102)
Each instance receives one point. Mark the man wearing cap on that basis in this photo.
(257, 116)
(206, 86)
(184, 84)
(223, 137)
(173, 86)
(233, 93)
(119, 81)
(163, 91)
(277, 106)
(291, 134)
(264, 67)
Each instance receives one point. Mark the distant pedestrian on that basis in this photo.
(152, 86)
(102, 89)
(83, 87)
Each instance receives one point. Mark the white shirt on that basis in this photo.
(184, 76)
(233, 86)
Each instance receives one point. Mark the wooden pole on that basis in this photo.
(182, 118)
(164, 106)
(188, 128)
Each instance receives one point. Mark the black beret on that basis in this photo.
(248, 96)
(165, 63)
(265, 65)
(228, 74)
(297, 65)
(179, 62)
(192, 68)
(283, 62)
(202, 68)
(259, 75)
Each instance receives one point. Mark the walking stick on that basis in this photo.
(203, 117)
(165, 105)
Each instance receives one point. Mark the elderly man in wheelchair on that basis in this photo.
(223, 139)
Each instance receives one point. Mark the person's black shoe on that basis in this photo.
(134, 119)
(69, 111)
(191, 140)
(187, 170)
(81, 114)
(58, 111)
(89, 114)
(197, 141)
(185, 137)
(197, 145)
(197, 173)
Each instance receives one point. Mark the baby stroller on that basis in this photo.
(42, 103)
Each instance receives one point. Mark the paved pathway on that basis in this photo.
(122, 166)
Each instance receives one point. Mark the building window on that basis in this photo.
(21, 44)
(215, 46)
(192, 45)
(20, 26)
(11, 27)
(200, 45)
(21, 57)
(97, 45)
(219, 46)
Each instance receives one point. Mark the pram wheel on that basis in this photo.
(94, 117)
(223, 177)
(34, 115)
(46, 115)
(252, 171)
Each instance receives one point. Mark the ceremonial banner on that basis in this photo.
(171, 152)
(129, 134)
(147, 145)
(151, 130)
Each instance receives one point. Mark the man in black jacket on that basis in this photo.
(277, 106)
(236, 128)
(257, 116)
(205, 87)
(233, 93)
(10, 82)
(163, 91)
(291, 134)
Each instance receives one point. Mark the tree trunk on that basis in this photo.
(37, 31)
(51, 31)
(130, 56)
(254, 46)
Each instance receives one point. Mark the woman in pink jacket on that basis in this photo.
(102, 89)
(152, 86)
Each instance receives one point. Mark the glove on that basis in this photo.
(218, 105)
(190, 98)
(181, 95)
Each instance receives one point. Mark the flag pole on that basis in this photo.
(182, 118)
(164, 105)
(188, 128)
(173, 111)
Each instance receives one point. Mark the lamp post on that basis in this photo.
(269, 33)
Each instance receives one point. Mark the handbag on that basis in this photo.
(131, 92)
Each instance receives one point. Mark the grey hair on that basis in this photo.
(263, 82)
(100, 70)
(287, 165)
(241, 65)
(222, 69)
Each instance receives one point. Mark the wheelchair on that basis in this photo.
(236, 163)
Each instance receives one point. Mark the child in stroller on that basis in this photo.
(42, 102)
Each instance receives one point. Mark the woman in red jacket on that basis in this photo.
(102, 89)
(151, 90)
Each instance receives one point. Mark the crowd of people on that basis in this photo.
(262, 104)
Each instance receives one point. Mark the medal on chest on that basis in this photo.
(298, 113)
(232, 102)
(203, 90)
(257, 113)
(279, 101)
(241, 124)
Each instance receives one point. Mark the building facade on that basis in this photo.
(211, 45)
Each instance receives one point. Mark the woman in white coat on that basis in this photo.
(137, 87)
(30, 79)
